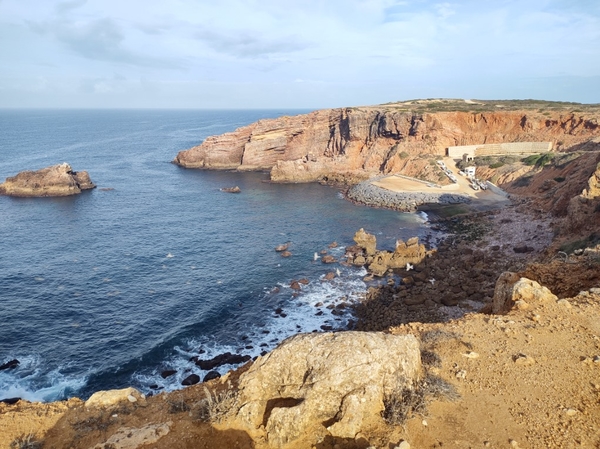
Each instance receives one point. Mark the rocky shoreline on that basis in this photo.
(371, 195)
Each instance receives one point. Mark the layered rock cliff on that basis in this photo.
(350, 144)
(57, 180)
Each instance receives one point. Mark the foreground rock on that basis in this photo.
(57, 180)
(111, 398)
(325, 384)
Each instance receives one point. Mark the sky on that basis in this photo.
(311, 54)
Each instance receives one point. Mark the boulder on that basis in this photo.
(328, 258)
(325, 383)
(57, 180)
(167, 373)
(510, 288)
(192, 379)
(366, 241)
(110, 398)
(211, 375)
(412, 252)
(282, 247)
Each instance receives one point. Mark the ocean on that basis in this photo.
(111, 287)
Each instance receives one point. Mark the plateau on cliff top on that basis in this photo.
(350, 145)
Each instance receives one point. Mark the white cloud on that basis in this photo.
(378, 47)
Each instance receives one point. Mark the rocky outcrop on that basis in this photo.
(379, 262)
(110, 398)
(514, 291)
(57, 180)
(324, 384)
(350, 144)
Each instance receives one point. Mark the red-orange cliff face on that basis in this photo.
(361, 142)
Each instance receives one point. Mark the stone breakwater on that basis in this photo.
(372, 195)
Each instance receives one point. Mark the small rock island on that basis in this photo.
(57, 180)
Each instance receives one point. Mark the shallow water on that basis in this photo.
(108, 288)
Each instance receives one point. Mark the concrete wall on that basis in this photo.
(499, 149)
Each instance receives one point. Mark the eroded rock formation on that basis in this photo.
(351, 144)
(379, 262)
(325, 384)
(57, 180)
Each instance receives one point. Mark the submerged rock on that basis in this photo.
(12, 364)
(235, 189)
(57, 180)
(222, 359)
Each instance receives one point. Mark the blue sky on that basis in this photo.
(294, 53)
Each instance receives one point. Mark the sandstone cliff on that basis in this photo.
(353, 143)
(57, 180)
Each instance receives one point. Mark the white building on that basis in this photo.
(470, 171)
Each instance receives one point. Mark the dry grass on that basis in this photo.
(26, 441)
(215, 406)
(409, 402)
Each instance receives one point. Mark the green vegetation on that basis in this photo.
(403, 155)
(592, 240)
(489, 161)
(539, 160)
(478, 106)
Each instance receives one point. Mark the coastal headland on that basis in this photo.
(489, 339)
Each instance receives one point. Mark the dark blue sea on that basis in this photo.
(109, 288)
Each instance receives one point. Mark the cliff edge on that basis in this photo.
(352, 144)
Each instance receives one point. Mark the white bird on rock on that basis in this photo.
(409, 266)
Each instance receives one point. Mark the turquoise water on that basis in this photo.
(108, 288)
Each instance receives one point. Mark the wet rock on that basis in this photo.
(211, 375)
(235, 189)
(192, 379)
(286, 254)
(223, 359)
(295, 285)
(303, 281)
(329, 276)
(10, 401)
(283, 247)
(333, 245)
(167, 373)
(12, 364)
(328, 259)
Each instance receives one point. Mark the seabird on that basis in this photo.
(409, 266)
(316, 257)
(432, 280)
(338, 272)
